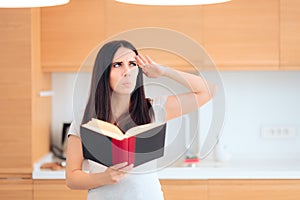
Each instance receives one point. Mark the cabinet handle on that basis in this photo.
(48, 93)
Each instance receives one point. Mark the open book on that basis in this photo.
(106, 144)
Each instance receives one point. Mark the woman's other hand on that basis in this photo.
(149, 67)
(117, 172)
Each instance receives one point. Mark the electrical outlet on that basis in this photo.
(278, 132)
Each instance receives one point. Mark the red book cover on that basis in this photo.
(131, 150)
(123, 150)
(119, 151)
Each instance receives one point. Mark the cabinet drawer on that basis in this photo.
(56, 189)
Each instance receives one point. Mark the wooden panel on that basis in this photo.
(56, 189)
(238, 35)
(120, 17)
(15, 100)
(16, 189)
(69, 33)
(15, 175)
(41, 106)
(289, 34)
(254, 189)
(25, 117)
(15, 151)
(242, 34)
(170, 59)
(184, 189)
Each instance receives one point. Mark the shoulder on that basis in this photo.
(74, 129)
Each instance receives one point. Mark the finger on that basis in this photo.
(143, 59)
(139, 61)
(119, 166)
(116, 176)
(149, 60)
(127, 168)
(119, 176)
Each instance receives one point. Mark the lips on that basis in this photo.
(126, 84)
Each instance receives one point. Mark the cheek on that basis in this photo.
(135, 72)
(113, 79)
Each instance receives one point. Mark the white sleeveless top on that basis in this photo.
(141, 183)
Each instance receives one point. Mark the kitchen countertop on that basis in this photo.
(235, 169)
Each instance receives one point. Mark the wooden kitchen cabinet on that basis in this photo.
(242, 34)
(173, 189)
(56, 189)
(16, 189)
(212, 189)
(15, 89)
(70, 32)
(186, 20)
(184, 189)
(237, 35)
(179, 189)
(289, 34)
(123, 17)
(231, 189)
(25, 116)
(254, 189)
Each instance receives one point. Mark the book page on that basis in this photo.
(104, 132)
(106, 126)
(142, 128)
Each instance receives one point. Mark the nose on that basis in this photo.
(127, 70)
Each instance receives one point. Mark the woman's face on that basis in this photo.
(124, 71)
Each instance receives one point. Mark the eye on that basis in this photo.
(132, 64)
(117, 64)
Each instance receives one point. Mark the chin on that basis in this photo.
(123, 91)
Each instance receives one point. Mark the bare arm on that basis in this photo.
(179, 104)
(78, 179)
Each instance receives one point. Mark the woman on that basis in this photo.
(117, 96)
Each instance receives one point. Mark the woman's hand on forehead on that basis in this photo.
(150, 68)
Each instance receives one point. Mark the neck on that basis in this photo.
(119, 105)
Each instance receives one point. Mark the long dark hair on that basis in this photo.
(99, 102)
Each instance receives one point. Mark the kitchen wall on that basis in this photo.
(259, 99)
(253, 100)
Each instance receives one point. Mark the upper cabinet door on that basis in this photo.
(72, 31)
(15, 89)
(69, 33)
(123, 17)
(243, 34)
(187, 20)
(290, 34)
(25, 116)
(237, 35)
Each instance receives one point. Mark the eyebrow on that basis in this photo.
(117, 63)
(120, 62)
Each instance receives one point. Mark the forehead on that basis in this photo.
(124, 54)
